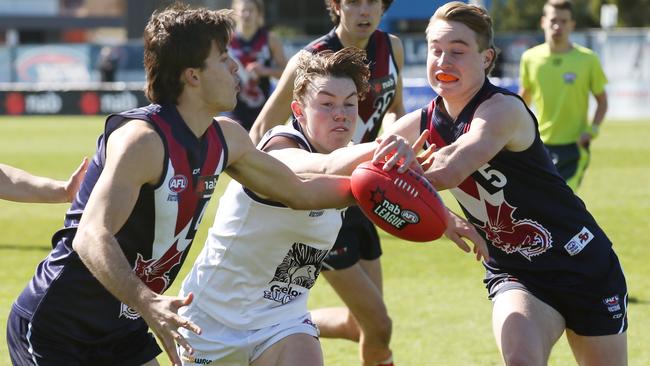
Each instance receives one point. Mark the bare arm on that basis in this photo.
(134, 157)
(525, 95)
(390, 150)
(501, 122)
(277, 109)
(271, 178)
(599, 116)
(21, 186)
(396, 109)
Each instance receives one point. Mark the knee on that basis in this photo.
(381, 330)
(520, 357)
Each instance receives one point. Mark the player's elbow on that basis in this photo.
(84, 239)
(79, 243)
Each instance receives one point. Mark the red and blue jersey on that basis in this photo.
(63, 297)
(383, 80)
(254, 90)
(532, 221)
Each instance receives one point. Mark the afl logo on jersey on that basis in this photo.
(178, 183)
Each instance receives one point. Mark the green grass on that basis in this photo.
(434, 292)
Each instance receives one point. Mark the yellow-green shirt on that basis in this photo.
(559, 86)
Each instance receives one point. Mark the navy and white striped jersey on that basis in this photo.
(254, 90)
(64, 298)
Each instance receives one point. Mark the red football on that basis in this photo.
(405, 205)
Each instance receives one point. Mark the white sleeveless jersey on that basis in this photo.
(260, 258)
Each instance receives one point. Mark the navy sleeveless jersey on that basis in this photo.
(64, 298)
(254, 91)
(530, 218)
(383, 81)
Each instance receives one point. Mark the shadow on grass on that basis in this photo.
(636, 300)
(23, 247)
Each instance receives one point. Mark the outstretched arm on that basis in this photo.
(391, 150)
(21, 186)
(500, 123)
(266, 175)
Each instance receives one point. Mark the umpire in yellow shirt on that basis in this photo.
(557, 76)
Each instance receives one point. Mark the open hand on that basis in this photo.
(161, 314)
(394, 150)
(459, 228)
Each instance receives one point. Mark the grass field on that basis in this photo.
(434, 292)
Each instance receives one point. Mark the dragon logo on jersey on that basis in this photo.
(298, 270)
(527, 237)
(155, 272)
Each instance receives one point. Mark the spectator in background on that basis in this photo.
(21, 186)
(107, 63)
(353, 266)
(557, 76)
(259, 55)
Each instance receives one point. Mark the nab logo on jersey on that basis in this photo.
(178, 183)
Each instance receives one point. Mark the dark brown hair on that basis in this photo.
(336, 19)
(176, 38)
(559, 5)
(348, 62)
(475, 18)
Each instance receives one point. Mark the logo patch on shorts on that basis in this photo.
(198, 360)
(613, 303)
(579, 242)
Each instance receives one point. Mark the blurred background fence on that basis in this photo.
(50, 51)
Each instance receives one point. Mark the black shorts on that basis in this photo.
(357, 239)
(590, 307)
(28, 347)
(571, 162)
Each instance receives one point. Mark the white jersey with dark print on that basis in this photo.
(260, 258)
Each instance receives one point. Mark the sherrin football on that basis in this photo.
(403, 204)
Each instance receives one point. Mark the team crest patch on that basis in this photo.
(579, 241)
(178, 183)
(612, 303)
(570, 77)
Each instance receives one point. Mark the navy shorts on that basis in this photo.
(28, 347)
(571, 162)
(590, 306)
(357, 239)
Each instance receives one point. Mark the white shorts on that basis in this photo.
(221, 345)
